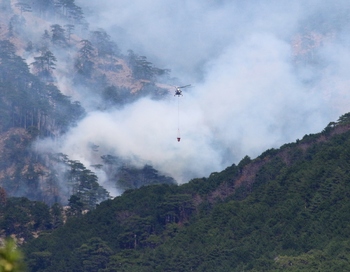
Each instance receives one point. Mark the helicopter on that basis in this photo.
(178, 90)
(178, 93)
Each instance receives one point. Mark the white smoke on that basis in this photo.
(249, 94)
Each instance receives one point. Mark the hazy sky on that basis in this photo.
(251, 91)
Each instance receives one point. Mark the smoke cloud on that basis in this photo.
(265, 73)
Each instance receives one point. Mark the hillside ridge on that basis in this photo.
(249, 171)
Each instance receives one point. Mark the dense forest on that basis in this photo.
(286, 209)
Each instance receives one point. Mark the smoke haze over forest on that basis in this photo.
(264, 73)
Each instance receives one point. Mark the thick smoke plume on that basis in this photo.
(265, 73)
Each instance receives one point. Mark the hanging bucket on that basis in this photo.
(178, 135)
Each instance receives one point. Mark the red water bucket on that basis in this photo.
(178, 139)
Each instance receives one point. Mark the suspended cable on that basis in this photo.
(178, 119)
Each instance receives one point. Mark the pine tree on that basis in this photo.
(58, 35)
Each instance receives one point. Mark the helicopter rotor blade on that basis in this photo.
(184, 86)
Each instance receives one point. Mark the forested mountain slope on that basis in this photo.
(48, 53)
(285, 210)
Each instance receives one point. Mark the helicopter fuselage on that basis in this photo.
(178, 92)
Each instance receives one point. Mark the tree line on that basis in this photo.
(292, 217)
